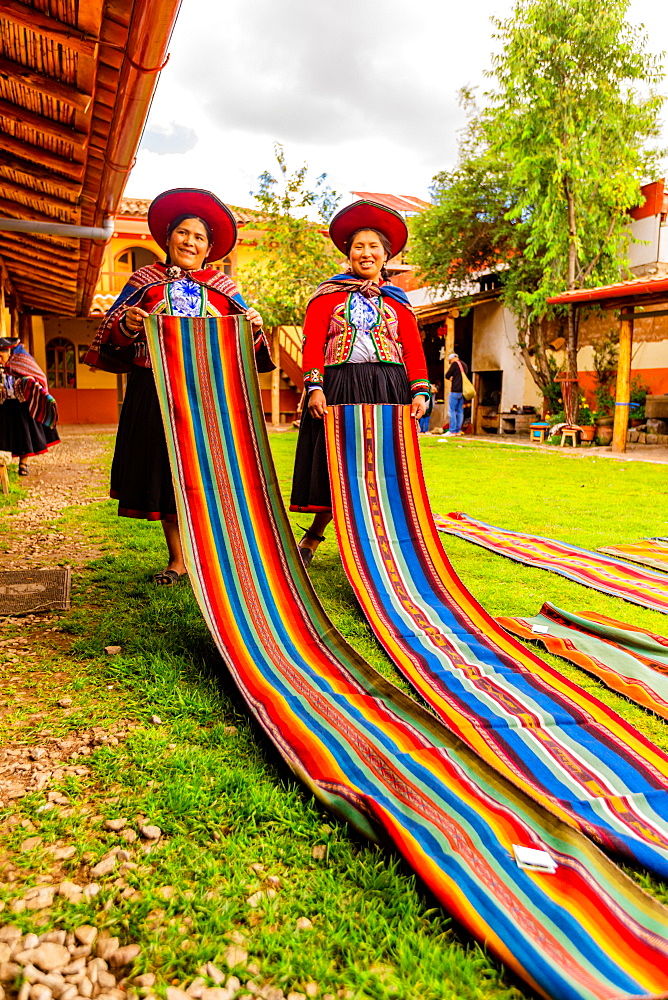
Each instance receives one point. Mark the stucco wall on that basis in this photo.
(494, 349)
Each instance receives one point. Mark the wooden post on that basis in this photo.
(623, 392)
(276, 378)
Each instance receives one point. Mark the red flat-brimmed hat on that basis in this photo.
(365, 214)
(193, 202)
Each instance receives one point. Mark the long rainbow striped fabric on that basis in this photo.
(626, 658)
(592, 569)
(586, 932)
(650, 552)
(558, 742)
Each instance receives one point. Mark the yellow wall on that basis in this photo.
(80, 332)
(39, 352)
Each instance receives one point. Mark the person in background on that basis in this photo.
(361, 345)
(28, 413)
(192, 226)
(456, 401)
(423, 422)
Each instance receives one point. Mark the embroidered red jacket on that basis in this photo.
(329, 336)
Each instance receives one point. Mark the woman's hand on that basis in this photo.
(317, 404)
(254, 318)
(134, 319)
(419, 407)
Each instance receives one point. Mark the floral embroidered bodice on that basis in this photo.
(186, 298)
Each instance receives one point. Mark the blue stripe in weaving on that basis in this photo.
(584, 739)
(534, 961)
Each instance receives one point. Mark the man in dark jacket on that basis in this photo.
(456, 401)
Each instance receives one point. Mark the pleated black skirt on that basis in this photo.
(22, 434)
(371, 382)
(141, 478)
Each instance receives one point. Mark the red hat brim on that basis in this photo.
(193, 202)
(368, 215)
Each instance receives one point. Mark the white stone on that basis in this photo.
(48, 956)
(104, 867)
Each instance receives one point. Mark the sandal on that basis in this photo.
(23, 469)
(168, 577)
(306, 553)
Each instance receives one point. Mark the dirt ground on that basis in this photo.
(67, 475)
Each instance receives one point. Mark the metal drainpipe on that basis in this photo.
(145, 55)
(104, 232)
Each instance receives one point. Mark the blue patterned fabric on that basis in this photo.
(185, 297)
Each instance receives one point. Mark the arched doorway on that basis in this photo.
(132, 258)
(61, 369)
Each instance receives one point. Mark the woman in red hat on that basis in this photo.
(193, 227)
(361, 345)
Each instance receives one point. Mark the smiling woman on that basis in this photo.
(192, 226)
(361, 345)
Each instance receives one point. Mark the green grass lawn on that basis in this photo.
(209, 778)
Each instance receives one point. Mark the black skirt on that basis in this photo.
(22, 434)
(370, 382)
(141, 478)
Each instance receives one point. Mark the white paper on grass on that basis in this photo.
(534, 860)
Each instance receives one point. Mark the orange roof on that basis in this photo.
(621, 291)
(400, 203)
(655, 200)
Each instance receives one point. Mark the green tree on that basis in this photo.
(550, 166)
(294, 254)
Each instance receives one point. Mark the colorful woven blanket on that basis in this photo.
(628, 659)
(650, 552)
(584, 931)
(556, 741)
(612, 576)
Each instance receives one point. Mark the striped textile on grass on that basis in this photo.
(558, 742)
(592, 569)
(586, 932)
(626, 658)
(649, 552)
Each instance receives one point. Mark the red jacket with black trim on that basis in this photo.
(328, 340)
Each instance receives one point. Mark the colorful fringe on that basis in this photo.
(612, 576)
(650, 552)
(627, 659)
(559, 743)
(586, 932)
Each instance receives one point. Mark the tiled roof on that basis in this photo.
(138, 208)
(400, 203)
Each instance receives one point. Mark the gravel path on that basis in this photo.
(68, 475)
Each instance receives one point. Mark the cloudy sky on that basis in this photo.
(364, 91)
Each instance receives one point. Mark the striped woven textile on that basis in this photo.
(648, 552)
(586, 932)
(592, 569)
(627, 659)
(558, 742)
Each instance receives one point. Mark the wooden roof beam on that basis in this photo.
(59, 204)
(41, 286)
(31, 293)
(49, 27)
(57, 130)
(28, 255)
(17, 73)
(40, 173)
(44, 250)
(31, 155)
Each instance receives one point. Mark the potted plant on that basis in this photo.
(586, 422)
